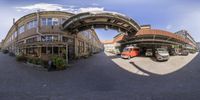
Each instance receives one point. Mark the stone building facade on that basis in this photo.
(40, 35)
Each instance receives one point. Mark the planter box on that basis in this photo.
(38, 67)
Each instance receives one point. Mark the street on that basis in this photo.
(99, 77)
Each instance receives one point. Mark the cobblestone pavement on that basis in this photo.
(96, 78)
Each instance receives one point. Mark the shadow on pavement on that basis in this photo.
(97, 78)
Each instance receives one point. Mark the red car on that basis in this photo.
(130, 51)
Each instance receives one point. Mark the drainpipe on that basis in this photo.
(38, 23)
(37, 30)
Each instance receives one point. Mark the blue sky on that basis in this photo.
(171, 15)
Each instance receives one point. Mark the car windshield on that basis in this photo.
(126, 49)
(161, 50)
(149, 50)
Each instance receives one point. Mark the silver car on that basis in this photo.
(161, 54)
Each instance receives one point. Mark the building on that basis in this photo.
(198, 44)
(0, 45)
(113, 45)
(187, 36)
(150, 38)
(48, 33)
(108, 45)
(41, 35)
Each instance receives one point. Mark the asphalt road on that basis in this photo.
(96, 78)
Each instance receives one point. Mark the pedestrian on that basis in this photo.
(49, 65)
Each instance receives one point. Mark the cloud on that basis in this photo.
(88, 9)
(57, 7)
(168, 27)
(187, 19)
(42, 6)
(191, 23)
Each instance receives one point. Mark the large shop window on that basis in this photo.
(31, 50)
(55, 50)
(43, 49)
(50, 38)
(49, 50)
(21, 29)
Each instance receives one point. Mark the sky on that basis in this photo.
(170, 15)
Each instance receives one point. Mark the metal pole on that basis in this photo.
(66, 53)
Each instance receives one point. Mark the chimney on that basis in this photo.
(13, 21)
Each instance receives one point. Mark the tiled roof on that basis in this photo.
(161, 32)
(119, 38)
(116, 39)
(107, 41)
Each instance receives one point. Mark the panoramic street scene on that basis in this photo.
(99, 50)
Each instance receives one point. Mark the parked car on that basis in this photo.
(161, 54)
(130, 51)
(149, 52)
(184, 52)
(193, 51)
(172, 52)
(5, 51)
(117, 52)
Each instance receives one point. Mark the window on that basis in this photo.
(31, 50)
(32, 24)
(21, 29)
(49, 21)
(55, 21)
(81, 47)
(31, 40)
(20, 42)
(64, 39)
(15, 34)
(44, 22)
(49, 50)
(55, 50)
(29, 25)
(50, 38)
(86, 34)
(13, 37)
(43, 49)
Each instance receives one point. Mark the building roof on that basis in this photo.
(186, 34)
(107, 41)
(160, 32)
(117, 38)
